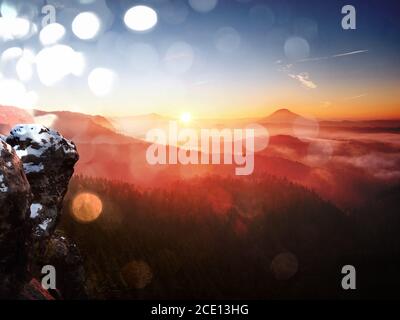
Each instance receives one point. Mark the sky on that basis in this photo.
(211, 58)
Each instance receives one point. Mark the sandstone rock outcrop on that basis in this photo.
(48, 161)
(36, 165)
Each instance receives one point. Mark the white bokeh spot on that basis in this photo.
(227, 40)
(24, 66)
(140, 18)
(203, 5)
(101, 81)
(56, 62)
(86, 25)
(297, 48)
(51, 34)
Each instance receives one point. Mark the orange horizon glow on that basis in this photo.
(212, 103)
(355, 112)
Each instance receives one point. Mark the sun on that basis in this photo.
(186, 117)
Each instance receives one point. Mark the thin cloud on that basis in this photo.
(339, 55)
(203, 82)
(349, 53)
(314, 59)
(334, 56)
(304, 79)
(326, 104)
(356, 97)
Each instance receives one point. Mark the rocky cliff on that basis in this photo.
(36, 164)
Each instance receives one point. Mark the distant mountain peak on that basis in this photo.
(283, 111)
(282, 115)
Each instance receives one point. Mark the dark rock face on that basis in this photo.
(64, 255)
(48, 161)
(36, 165)
(15, 197)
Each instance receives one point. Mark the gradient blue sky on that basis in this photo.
(252, 78)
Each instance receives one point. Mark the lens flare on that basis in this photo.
(296, 48)
(24, 69)
(284, 266)
(137, 274)
(11, 54)
(14, 93)
(203, 6)
(24, 66)
(14, 28)
(227, 40)
(86, 207)
(174, 12)
(7, 10)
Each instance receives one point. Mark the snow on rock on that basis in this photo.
(36, 139)
(48, 161)
(35, 208)
(3, 187)
(31, 167)
(45, 224)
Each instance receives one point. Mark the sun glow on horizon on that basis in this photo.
(186, 117)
